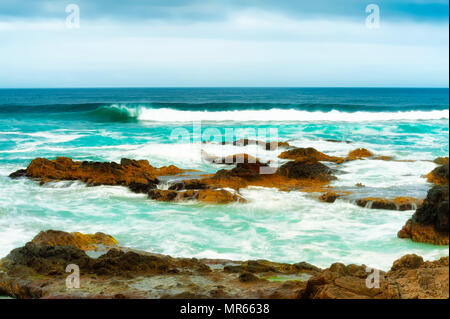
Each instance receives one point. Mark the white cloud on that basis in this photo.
(251, 48)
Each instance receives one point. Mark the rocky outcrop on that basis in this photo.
(397, 203)
(412, 278)
(38, 270)
(210, 196)
(306, 176)
(305, 154)
(82, 241)
(139, 176)
(439, 176)
(409, 278)
(429, 224)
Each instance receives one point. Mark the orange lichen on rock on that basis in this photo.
(79, 240)
(303, 154)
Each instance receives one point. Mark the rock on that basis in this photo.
(439, 176)
(305, 154)
(359, 153)
(339, 282)
(140, 175)
(412, 278)
(18, 174)
(79, 240)
(398, 203)
(218, 196)
(329, 197)
(188, 184)
(210, 196)
(409, 278)
(248, 277)
(38, 271)
(429, 224)
(306, 170)
(441, 160)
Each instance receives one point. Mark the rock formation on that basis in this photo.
(38, 270)
(397, 203)
(429, 224)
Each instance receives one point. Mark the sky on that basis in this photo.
(212, 43)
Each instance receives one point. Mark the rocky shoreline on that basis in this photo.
(109, 271)
(37, 270)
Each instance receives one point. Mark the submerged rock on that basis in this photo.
(429, 224)
(397, 203)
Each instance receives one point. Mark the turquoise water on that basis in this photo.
(108, 124)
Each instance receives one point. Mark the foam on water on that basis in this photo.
(281, 115)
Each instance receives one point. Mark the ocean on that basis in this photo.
(113, 123)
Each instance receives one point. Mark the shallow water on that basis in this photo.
(274, 225)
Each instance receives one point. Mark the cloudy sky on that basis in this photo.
(223, 43)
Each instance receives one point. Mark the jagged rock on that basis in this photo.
(305, 154)
(429, 224)
(79, 240)
(398, 203)
(412, 278)
(439, 176)
(409, 278)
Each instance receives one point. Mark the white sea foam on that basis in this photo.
(280, 115)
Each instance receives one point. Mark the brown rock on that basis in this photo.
(210, 196)
(429, 224)
(412, 278)
(398, 203)
(310, 169)
(305, 154)
(357, 154)
(439, 176)
(329, 197)
(79, 240)
(441, 160)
